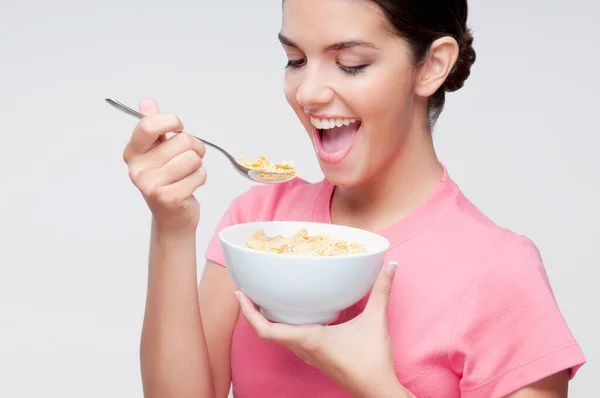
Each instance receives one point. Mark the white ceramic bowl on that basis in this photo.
(297, 289)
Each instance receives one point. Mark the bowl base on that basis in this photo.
(300, 318)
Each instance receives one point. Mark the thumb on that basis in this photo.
(380, 292)
(148, 107)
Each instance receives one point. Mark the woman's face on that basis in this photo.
(350, 81)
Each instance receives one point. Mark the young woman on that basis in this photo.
(462, 307)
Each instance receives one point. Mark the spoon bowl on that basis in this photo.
(256, 175)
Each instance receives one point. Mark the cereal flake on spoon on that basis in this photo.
(268, 171)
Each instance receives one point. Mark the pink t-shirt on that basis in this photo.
(471, 312)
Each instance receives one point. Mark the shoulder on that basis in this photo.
(516, 268)
(500, 263)
(506, 305)
(478, 233)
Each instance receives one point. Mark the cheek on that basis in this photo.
(389, 105)
(386, 94)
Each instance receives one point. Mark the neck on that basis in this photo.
(391, 195)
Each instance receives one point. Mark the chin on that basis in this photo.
(346, 174)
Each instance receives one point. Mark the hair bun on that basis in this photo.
(462, 69)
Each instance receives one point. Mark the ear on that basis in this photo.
(438, 65)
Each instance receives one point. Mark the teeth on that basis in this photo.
(331, 123)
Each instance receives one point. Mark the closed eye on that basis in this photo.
(294, 63)
(350, 70)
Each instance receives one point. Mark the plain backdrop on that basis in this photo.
(521, 139)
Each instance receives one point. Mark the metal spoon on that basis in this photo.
(265, 177)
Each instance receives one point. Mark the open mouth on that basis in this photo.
(334, 138)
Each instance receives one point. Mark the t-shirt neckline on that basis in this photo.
(423, 216)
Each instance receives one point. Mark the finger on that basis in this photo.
(177, 195)
(149, 107)
(380, 292)
(288, 335)
(179, 167)
(161, 154)
(149, 129)
(184, 188)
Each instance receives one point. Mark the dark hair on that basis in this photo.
(420, 23)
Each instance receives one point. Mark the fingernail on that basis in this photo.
(391, 268)
(237, 295)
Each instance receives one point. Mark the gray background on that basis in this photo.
(520, 139)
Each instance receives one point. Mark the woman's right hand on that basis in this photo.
(166, 171)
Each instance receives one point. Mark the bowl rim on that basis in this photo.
(385, 241)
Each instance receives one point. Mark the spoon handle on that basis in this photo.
(133, 112)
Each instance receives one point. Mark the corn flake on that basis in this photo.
(268, 171)
(303, 244)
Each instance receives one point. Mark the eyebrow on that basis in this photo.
(343, 45)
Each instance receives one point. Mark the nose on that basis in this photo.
(313, 90)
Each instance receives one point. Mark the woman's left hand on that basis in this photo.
(356, 354)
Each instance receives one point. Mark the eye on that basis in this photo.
(294, 63)
(352, 70)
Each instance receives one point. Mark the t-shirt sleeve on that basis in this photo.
(244, 208)
(509, 331)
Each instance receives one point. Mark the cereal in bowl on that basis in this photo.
(301, 243)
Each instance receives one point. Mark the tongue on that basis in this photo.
(336, 139)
